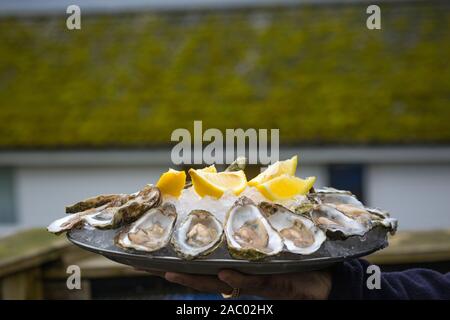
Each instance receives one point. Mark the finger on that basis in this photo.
(157, 273)
(201, 283)
(249, 284)
(152, 272)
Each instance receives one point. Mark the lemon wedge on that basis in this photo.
(211, 168)
(172, 182)
(275, 170)
(285, 187)
(215, 184)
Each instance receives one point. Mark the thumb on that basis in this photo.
(249, 284)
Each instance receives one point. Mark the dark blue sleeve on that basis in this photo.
(350, 277)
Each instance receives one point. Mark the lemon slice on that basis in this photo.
(285, 187)
(172, 182)
(211, 168)
(275, 170)
(215, 184)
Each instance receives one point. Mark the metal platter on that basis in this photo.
(331, 252)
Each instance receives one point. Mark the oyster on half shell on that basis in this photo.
(198, 234)
(300, 235)
(361, 215)
(151, 232)
(249, 235)
(347, 204)
(368, 217)
(335, 223)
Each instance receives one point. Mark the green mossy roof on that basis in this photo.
(315, 72)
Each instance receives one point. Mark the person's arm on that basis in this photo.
(313, 285)
(349, 282)
(345, 281)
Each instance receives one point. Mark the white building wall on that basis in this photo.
(418, 195)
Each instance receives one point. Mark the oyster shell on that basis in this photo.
(350, 206)
(382, 218)
(198, 235)
(72, 220)
(126, 209)
(93, 202)
(64, 223)
(303, 208)
(335, 196)
(239, 164)
(359, 214)
(335, 223)
(249, 235)
(368, 217)
(151, 232)
(300, 235)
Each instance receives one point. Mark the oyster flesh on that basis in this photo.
(199, 234)
(151, 232)
(248, 233)
(299, 233)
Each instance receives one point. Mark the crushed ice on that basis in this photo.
(189, 200)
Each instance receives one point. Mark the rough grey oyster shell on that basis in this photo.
(300, 235)
(249, 235)
(151, 232)
(198, 234)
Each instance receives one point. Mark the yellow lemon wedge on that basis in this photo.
(211, 168)
(285, 187)
(275, 170)
(172, 182)
(215, 184)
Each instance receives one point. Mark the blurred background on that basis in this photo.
(91, 111)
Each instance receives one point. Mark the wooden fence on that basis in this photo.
(33, 263)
